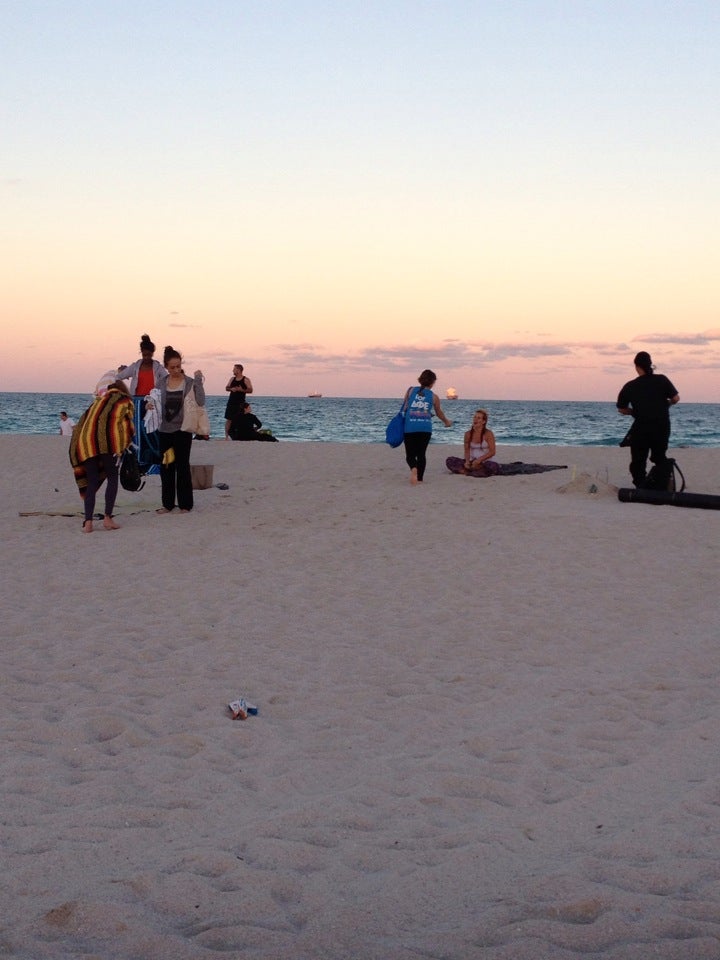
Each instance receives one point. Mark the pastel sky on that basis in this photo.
(520, 194)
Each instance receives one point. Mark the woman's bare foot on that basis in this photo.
(87, 526)
(413, 476)
(110, 524)
(162, 510)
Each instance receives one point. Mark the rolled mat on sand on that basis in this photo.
(706, 501)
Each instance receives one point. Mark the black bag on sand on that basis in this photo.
(130, 477)
(664, 476)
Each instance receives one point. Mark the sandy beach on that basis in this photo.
(488, 712)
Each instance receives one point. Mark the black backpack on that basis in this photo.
(130, 477)
(664, 476)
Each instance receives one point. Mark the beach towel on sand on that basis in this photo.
(491, 469)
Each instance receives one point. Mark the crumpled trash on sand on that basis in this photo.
(240, 709)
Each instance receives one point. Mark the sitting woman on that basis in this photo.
(479, 450)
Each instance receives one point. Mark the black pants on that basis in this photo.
(647, 438)
(415, 446)
(98, 469)
(175, 477)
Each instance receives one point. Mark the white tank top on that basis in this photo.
(479, 449)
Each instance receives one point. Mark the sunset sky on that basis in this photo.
(520, 194)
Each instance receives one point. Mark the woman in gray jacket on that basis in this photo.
(175, 443)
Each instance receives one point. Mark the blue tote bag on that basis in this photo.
(395, 430)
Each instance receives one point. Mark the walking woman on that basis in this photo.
(420, 404)
(102, 433)
(177, 393)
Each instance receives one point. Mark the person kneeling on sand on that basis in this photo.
(246, 426)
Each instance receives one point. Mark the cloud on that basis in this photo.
(680, 339)
(703, 363)
(610, 349)
(457, 355)
(448, 354)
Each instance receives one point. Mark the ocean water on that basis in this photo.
(361, 420)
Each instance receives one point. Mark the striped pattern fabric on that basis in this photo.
(105, 427)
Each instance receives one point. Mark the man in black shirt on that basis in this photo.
(647, 399)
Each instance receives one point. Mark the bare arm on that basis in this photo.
(438, 411)
(490, 437)
(466, 445)
(229, 384)
(248, 385)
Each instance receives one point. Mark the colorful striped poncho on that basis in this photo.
(105, 427)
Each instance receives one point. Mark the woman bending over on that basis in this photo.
(102, 433)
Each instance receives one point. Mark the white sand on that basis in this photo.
(489, 712)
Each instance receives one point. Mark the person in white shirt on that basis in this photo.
(66, 424)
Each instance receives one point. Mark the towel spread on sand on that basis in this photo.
(489, 468)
